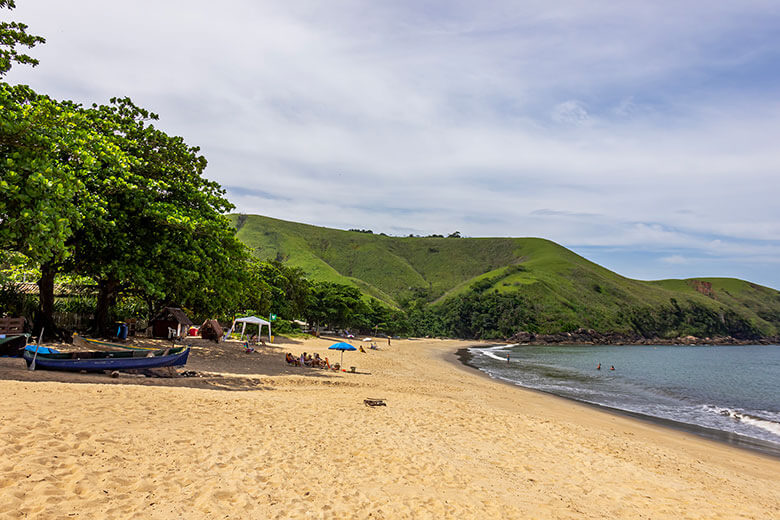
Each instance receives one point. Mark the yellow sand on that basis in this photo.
(301, 444)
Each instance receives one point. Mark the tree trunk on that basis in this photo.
(45, 318)
(107, 292)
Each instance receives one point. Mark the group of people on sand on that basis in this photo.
(612, 367)
(307, 360)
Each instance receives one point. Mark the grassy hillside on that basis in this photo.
(548, 287)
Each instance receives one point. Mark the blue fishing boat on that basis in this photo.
(101, 360)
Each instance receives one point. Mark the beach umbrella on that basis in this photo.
(342, 347)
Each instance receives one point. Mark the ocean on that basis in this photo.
(730, 393)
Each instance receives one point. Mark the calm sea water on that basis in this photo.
(732, 389)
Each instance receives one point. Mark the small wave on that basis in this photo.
(493, 356)
(752, 420)
(489, 352)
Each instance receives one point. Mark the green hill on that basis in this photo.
(534, 284)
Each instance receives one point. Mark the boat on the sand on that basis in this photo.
(98, 361)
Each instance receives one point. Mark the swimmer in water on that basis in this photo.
(612, 367)
(507, 358)
(598, 367)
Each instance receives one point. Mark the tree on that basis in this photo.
(47, 149)
(335, 304)
(12, 35)
(162, 231)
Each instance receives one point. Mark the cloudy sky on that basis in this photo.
(643, 135)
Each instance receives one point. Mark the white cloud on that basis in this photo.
(570, 112)
(674, 259)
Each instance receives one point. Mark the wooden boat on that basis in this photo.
(101, 360)
(13, 346)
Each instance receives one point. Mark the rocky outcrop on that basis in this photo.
(703, 287)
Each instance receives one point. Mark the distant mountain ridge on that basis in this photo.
(540, 285)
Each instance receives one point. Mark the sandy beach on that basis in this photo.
(254, 438)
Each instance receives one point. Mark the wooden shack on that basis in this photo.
(211, 329)
(169, 323)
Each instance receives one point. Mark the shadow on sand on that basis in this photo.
(218, 366)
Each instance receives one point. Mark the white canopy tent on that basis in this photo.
(255, 321)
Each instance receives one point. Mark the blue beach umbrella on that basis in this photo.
(342, 347)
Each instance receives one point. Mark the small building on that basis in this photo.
(170, 322)
(211, 329)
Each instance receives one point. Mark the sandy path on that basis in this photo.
(450, 444)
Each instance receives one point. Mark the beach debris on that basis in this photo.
(374, 401)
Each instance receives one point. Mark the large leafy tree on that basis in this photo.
(288, 288)
(101, 192)
(163, 232)
(335, 304)
(47, 149)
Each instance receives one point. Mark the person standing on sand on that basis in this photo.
(507, 358)
(388, 341)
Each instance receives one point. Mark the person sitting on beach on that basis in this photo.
(361, 349)
(290, 359)
(317, 361)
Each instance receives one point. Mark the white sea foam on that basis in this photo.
(490, 352)
(745, 418)
(494, 356)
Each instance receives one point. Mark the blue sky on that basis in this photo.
(642, 135)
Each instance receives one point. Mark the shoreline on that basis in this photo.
(462, 357)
